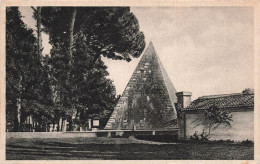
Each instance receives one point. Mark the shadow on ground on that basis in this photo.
(120, 148)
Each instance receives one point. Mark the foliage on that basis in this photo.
(80, 78)
(247, 142)
(248, 91)
(180, 111)
(90, 91)
(199, 137)
(195, 137)
(59, 78)
(217, 116)
(26, 79)
(73, 79)
(109, 31)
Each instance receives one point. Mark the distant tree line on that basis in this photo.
(70, 84)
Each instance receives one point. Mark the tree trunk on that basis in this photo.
(33, 125)
(94, 61)
(61, 127)
(53, 123)
(19, 104)
(29, 122)
(64, 128)
(209, 131)
(39, 30)
(71, 29)
(60, 124)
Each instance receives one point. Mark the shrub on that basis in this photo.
(201, 137)
(247, 142)
(229, 141)
(195, 137)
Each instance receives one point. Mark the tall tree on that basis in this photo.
(112, 32)
(38, 17)
(27, 88)
(92, 92)
(59, 81)
(19, 46)
(61, 38)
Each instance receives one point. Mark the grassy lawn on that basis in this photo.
(121, 148)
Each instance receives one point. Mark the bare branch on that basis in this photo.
(34, 9)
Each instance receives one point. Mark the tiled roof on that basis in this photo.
(237, 100)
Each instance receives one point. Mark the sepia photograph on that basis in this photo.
(129, 83)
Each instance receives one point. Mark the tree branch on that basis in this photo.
(34, 9)
(94, 60)
(98, 54)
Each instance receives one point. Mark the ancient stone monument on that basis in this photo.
(148, 99)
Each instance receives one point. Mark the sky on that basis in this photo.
(205, 50)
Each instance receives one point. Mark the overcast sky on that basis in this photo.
(205, 50)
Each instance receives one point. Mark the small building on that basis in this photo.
(240, 106)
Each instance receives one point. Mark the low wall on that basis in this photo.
(102, 133)
(242, 126)
(47, 135)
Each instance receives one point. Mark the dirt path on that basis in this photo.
(150, 142)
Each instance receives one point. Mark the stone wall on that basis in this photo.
(112, 133)
(242, 126)
(49, 134)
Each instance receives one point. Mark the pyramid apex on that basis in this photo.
(150, 45)
(150, 49)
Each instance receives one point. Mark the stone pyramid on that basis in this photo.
(148, 99)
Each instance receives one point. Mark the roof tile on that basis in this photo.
(223, 101)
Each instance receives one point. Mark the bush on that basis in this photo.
(195, 137)
(247, 142)
(202, 137)
(229, 141)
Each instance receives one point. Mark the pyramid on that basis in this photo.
(148, 99)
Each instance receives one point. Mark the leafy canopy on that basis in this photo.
(109, 31)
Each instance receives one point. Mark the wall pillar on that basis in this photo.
(184, 100)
